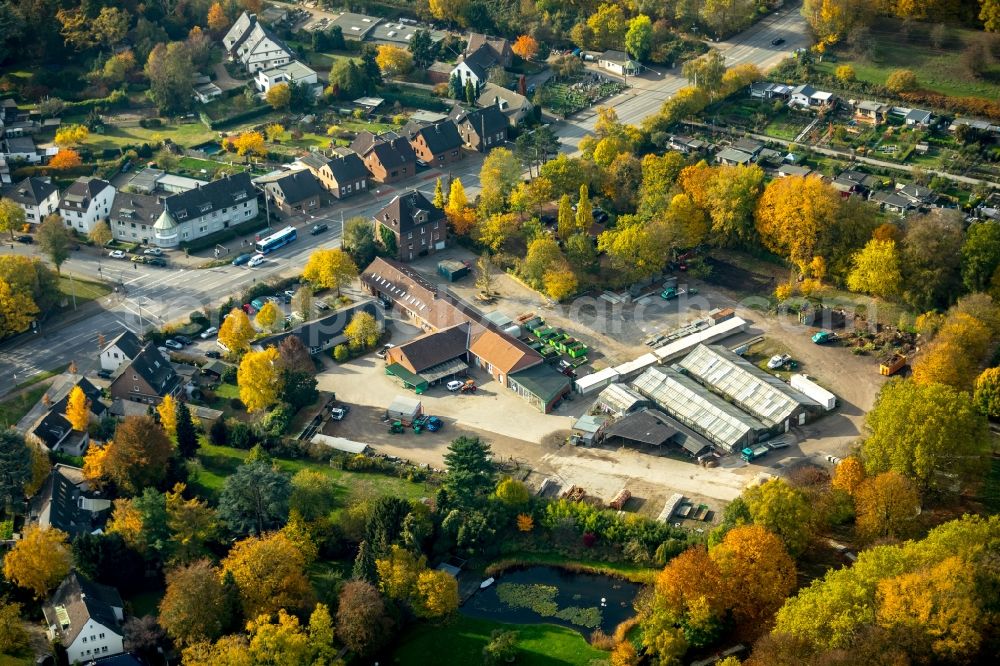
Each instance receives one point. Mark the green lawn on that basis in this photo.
(939, 70)
(463, 640)
(183, 134)
(219, 462)
(228, 391)
(12, 410)
(85, 290)
(8, 660)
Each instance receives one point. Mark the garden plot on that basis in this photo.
(568, 97)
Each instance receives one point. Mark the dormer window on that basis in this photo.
(205, 207)
(239, 196)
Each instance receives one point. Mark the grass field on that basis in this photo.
(85, 290)
(219, 462)
(183, 134)
(464, 638)
(939, 70)
(12, 410)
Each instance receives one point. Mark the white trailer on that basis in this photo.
(813, 390)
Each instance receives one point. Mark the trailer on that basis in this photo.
(814, 391)
(892, 365)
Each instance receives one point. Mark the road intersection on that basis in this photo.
(153, 296)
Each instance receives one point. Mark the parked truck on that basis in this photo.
(892, 364)
(752, 453)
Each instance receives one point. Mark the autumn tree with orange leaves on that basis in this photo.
(526, 47)
(66, 158)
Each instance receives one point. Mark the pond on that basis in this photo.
(555, 596)
(209, 148)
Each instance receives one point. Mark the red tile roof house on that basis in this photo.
(508, 361)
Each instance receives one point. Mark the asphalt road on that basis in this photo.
(153, 296)
(150, 296)
(650, 90)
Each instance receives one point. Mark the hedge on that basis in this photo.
(414, 100)
(225, 235)
(116, 98)
(23, 172)
(249, 114)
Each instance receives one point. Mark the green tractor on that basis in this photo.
(396, 428)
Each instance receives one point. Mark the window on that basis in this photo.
(84, 639)
(409, 235)
(104, 649)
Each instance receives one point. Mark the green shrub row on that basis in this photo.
(236, 118)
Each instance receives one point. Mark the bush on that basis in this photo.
(116, 98)
(218, 434)
(241, 435)
(229, 374)
(341, 353)
(150, 123)
(901, 80)
(277, 420)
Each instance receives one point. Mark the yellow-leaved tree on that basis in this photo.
(268, 315)
(437, 594)
(525, 46)
(560, 282)
(393, 60)
(279, 96)
(848, 475)
(269, 574)
(937, 608)
(876, 270)
(236, 331)
(167, 409)
(259, 378)
(793, 213)
(249, 142)
(71, 135)
(886, 506)
(78, 409)
(17, 309)
(460, 215)
(39, 560)
(362, 332)
(330, 269)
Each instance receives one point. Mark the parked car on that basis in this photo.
(317, 229)
(258, 303)
(382, 352)
(209, 332)
(154, 251)
(255, 260)
(338, 413)
(26, 239)
(322, 305)
(104, 373)
(242, 259)
(170, 343)
(183, 339)
(211, 353)
(454, 385)
(249, 309)
(434, 424)
(116, 254)
(156, 261)
(288, 294)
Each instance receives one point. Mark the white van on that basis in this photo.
(209, 332)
